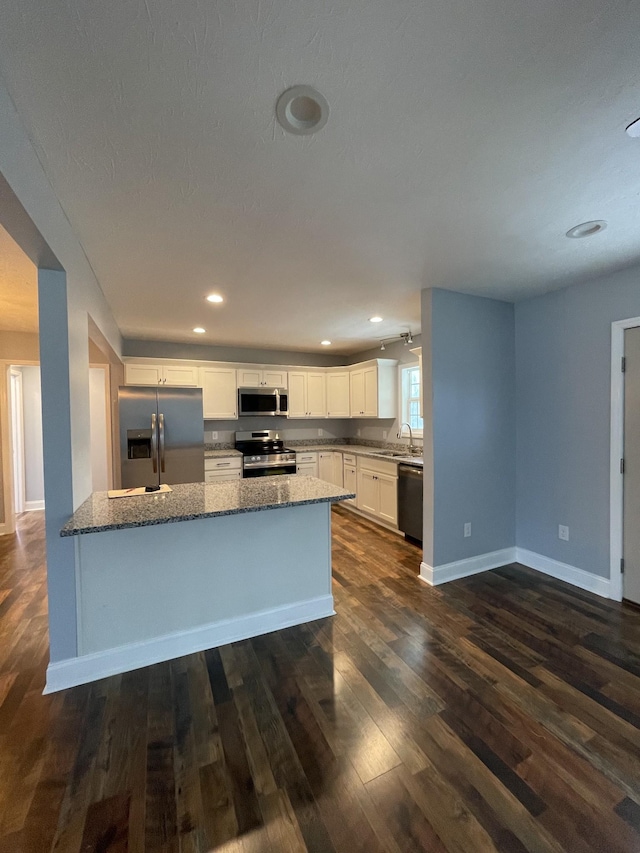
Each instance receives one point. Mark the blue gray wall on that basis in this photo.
(563, 351)
(471, 373)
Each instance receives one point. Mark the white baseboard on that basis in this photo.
(91, 667)
(493, 560)
(564, 572)
(31, 506)
(4, 529)
(435, 575)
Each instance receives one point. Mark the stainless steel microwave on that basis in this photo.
(261, 402)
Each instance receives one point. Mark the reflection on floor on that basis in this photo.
(499, 712)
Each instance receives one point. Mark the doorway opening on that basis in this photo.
(625, 459)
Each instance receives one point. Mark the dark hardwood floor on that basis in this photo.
(500, 712)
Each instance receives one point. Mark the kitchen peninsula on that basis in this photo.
(163, 575)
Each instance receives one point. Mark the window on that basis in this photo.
(410, 381)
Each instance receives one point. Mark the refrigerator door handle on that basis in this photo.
(161, 438)
(154, 443)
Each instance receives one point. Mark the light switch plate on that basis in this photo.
(467, 529)
(214, 436)
(563, 532)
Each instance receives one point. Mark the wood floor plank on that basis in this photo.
(499, 712)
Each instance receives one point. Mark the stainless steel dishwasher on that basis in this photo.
(410, 501)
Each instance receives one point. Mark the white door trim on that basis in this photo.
(616, 494)
(17, 440)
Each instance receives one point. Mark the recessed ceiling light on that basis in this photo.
(375, 319)
(302, 110)
(633, 130)
(325, 343)
(587, 229)
(199, 330)
(214, 297)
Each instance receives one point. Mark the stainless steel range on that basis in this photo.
(263, 454)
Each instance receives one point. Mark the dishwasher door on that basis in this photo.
(410, 501)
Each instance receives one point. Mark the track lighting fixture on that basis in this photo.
(407, 337)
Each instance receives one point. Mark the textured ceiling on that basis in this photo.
(18, 288)
(464, 139)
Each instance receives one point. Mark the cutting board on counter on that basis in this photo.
(134, 493)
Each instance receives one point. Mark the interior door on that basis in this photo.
(631, 517)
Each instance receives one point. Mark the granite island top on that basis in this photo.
(189, 501)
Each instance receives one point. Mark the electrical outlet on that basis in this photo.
(384, 433)
(357, 432)
(320, 431)
(467, 529)
(214, 436)
(563, 532)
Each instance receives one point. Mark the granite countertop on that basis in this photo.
(189, 501)
(213, 454)
(362, 450)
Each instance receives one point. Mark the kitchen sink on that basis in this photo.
(393, 453)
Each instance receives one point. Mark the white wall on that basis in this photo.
(32, 419)
(99, 432)
(66, 299)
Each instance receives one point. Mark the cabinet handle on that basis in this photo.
(222, 464)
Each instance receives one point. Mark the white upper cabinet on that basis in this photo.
(143, 374)
(257, 376)
(307, 394)
(185, 376)
(373, 389)
(177, 374)
(338, 405)
(219, 393)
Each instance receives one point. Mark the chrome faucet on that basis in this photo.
(412, 448)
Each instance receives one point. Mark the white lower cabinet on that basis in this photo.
(325, 466)
(221, 469)
(350, 479)
(377, 492)
(330, 467)
(307, 463)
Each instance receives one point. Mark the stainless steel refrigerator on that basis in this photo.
(161, 435)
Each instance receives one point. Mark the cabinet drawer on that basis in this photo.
(349, 458)
(306, 457)
(378, 466)
(223, 463)
(222, 476)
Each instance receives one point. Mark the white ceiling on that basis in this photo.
(464, 139)
(18, 288)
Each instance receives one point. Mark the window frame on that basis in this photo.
(404, 400)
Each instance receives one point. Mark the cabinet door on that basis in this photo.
(297, 395)
(274, 378)
(325, 466)
(388, 498)
(337, 469)
(350, 481)
(142, 374)
(177, 375)
(249, 377)
(338, 405)
(316, 396)
(370, 386)
(219, 394)
(356, 384)
(308, 468)
(367, 494)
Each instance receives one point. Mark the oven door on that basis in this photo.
(285, 468)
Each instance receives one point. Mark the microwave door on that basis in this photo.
(257, 402)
